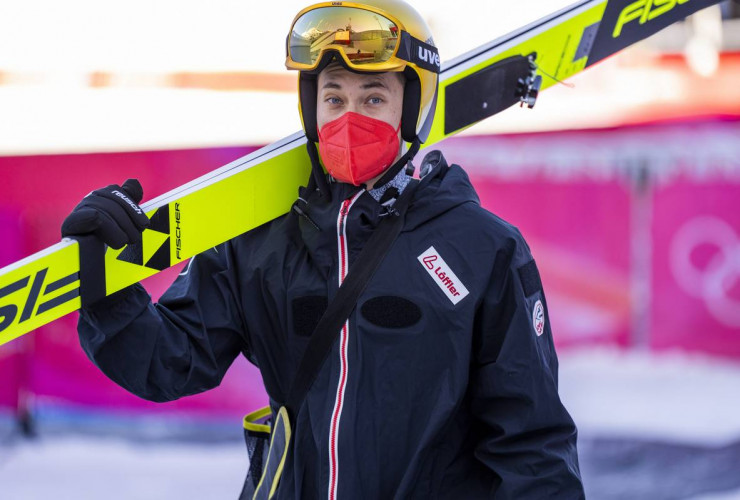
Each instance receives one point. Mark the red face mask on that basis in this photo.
(355, 148)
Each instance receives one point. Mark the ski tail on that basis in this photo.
(39, 289)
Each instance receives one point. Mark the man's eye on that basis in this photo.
(375, 100)
(333, 100)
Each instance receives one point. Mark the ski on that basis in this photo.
(261, 186)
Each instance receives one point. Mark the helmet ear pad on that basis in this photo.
(308, 94)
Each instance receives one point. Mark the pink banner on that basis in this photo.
(696, 266)
(44, 189)
(587, 202)
(12, 356)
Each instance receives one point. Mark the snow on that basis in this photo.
(672, 399)
(674, 396)
(83, 468)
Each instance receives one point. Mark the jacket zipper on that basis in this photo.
(336, 414)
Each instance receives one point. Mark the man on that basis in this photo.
(443, 381)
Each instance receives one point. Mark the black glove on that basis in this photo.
(111, 213)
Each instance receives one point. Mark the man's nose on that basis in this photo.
(354, 107)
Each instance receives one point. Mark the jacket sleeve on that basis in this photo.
(527, 438)
(180, 346)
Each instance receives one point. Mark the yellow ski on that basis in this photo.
(262, 185)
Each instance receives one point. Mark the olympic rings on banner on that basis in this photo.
(714, 282)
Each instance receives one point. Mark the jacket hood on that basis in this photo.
(442, 188)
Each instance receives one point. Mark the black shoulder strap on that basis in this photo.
(339, 309)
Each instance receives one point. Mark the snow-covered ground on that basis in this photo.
(651, 427)
(673, 396)
(84, 468)
(657, 427)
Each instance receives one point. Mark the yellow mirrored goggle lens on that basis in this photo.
(364, 36)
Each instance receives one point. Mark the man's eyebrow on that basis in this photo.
(369, 85)
(374, 84)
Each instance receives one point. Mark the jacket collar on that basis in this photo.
(441, 188)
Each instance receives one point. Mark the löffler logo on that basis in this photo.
(442, 275)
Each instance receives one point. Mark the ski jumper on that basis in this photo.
(442, 383)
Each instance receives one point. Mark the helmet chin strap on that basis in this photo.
(401, 163)
(317, 171)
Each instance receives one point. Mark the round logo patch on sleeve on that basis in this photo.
(538, 318)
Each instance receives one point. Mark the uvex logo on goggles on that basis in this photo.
(422, 54)
(365, 39)
(644, 11)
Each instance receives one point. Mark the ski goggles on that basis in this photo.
(366, 40)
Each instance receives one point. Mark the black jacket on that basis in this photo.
(441, 386)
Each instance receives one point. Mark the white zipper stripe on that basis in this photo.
(336, 415)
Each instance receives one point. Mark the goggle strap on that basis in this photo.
(420, 53)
